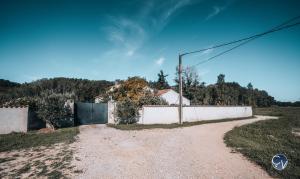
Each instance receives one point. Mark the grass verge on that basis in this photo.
(168, 126)
(45, 155)
(16, 141)
(260, 141)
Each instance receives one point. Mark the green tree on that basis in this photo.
(221, 91)
(162, 82)
(250, 96)
(190, 82)
(221, 79)
(250, 86)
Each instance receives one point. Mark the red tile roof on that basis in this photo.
(161, 92)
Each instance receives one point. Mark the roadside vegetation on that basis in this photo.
(49, 100)
(262, 140)
(16, 141)
(36, 155)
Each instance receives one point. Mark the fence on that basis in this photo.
(170, 114)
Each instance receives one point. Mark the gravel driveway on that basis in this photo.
(190, 152)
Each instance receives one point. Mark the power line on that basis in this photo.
(245, 42)
(243, 39)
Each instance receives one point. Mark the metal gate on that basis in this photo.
(90, 113)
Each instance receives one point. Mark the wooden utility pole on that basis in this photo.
(180, 109)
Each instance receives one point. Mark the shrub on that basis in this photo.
(127, 112)
(150, 99)
(49, 107)
(52, 109)
(128, 109)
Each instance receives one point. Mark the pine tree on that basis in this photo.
(162, 83)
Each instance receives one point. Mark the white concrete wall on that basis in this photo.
(172, 97)
(170, 114)
(13, 120)
(200, 113)
(159, 115)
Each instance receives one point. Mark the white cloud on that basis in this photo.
(172, 8)
(31, 78)
(203, 72)
(126, 35)
(216, 10)
(130, 52)
(219, 9)
(129, 34)
(208, 51)
(204, 53)
(160, 61)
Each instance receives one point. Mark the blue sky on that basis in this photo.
(116, 39)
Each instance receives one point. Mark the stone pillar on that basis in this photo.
(140, 118)
(70, 104)
(111, 115)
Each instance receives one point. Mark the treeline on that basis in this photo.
(223, 93)
(220, 93)
(288, 104)
(6, 85)
(83, 90)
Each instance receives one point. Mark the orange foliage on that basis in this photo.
(133, 88)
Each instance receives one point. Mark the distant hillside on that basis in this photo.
(6, 85)
(83, 89)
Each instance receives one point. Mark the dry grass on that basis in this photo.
(36, 155)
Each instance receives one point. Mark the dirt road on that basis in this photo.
(190, 152)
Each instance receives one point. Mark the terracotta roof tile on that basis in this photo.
(161, 92)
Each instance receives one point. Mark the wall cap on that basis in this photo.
(13, 107)
(190, 106)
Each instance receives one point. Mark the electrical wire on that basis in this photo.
(245, 42)
(243, 39)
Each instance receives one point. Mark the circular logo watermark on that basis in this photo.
(279, 161)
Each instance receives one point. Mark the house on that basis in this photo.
(115, 86)
(172, 97)
(169, 95)
(99, 99)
